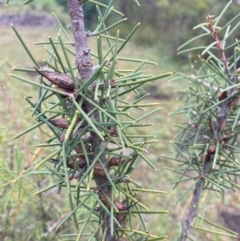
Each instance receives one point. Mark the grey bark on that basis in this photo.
(85, 69)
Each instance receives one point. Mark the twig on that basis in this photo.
(219, 46)
(192, 212)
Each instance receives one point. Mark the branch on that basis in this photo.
(83, 58)
(85, 68)
(220, 124)
(192, 212)
(219, 46)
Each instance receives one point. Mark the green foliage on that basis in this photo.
(170, 19)
(15, 92)
(21, 210)
(74, 158)
(207, 145)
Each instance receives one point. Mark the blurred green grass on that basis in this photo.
(15, 118)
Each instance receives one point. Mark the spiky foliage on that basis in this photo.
(207, 147)
(89, 107)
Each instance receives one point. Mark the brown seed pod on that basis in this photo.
(114, 161)
(98, 170)
(67, 91)
(222, 95)
(81, 162)
(71, 162)
(208, 158)
(205, 158)
(60, 122)
(59, 79)
(79, 149)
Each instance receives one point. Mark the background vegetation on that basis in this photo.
(166, 19)
(165, 25)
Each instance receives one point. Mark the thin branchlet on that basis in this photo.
(218, 137)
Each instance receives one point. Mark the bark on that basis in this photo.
(85, 69)
(193, 208)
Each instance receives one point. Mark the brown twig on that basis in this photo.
(219, 46)
(192, 212)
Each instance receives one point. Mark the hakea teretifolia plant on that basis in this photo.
(91, 111)
(208, 146)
